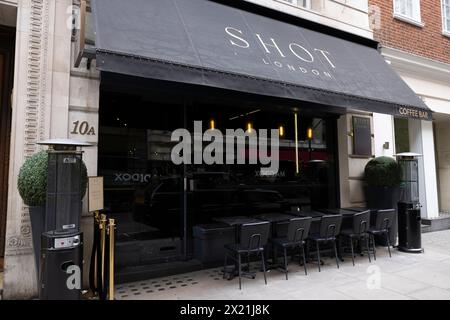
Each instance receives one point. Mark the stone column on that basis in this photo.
(40, 111)
(84, 126)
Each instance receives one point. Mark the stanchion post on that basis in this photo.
(111, 228)
(102, 247)
(97, 270)
(96, 227)
(98, 256)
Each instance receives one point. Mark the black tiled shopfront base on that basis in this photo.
(157, 270)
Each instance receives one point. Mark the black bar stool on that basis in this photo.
(383, 224)
(298, 231)
(330, 226)
(361, 225)
(253, 239)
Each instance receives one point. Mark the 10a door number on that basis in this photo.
(83, 128)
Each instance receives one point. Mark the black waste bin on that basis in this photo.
(409, 227)
(209, 241)
(61, 266)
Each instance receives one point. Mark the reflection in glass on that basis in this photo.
(144, 189)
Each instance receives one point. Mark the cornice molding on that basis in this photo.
(417, 65)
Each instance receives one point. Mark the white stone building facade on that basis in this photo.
(50, 95)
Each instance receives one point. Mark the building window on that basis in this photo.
(446, 16)
(298, 3)
(158, 205)
(401, 128)
(407, 9)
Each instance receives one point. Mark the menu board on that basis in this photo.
(95, 194)
(362, 137)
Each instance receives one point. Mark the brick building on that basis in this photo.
(415, 39)
(427, 36)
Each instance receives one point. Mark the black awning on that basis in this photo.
(208, 43)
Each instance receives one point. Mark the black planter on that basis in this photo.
(37, 218)
(379, 198)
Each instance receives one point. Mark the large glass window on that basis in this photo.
(143, 188)
(157, 202)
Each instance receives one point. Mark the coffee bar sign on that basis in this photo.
(414, 113)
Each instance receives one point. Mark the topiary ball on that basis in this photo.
(382, 172)
(32, 179)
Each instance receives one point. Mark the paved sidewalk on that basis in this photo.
(404, 276)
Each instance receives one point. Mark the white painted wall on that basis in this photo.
(443, 162)
(435, 93)
(421, 141)
(431, 81)
(347, 15)
(351, 169)
(83, 105)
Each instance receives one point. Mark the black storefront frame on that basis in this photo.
(160, 91)
(113, 57)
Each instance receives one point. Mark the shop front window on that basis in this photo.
(157, 202)
(143, 188)
(304, 156)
